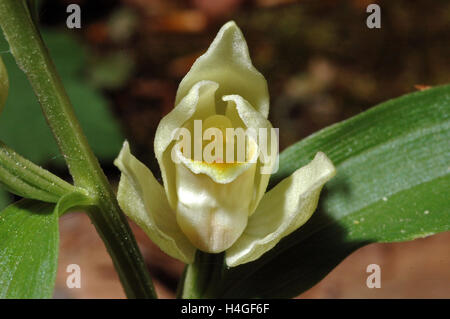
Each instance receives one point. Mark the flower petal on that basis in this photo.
(240, 111)
(143, 199)
(228, 63)
(199, 103)
(213, 215)
(282, 210)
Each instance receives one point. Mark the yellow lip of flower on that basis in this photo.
(222, 171)
(227, 208)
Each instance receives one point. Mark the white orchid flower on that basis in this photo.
(216, 206)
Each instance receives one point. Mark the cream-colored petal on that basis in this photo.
(228, 63)
(212, 215)
(240, 111)
(4, 85)
(282, 210)
(199, 103)
(143, 199)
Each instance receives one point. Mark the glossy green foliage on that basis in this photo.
(29, 242)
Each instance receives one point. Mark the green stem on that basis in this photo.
(33, 58)
(201, 279)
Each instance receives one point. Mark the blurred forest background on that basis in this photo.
(322, 64)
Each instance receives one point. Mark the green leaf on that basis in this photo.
(23, 178)
(392, 185)
(29, 242)
(71, 200)
(22, 125)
